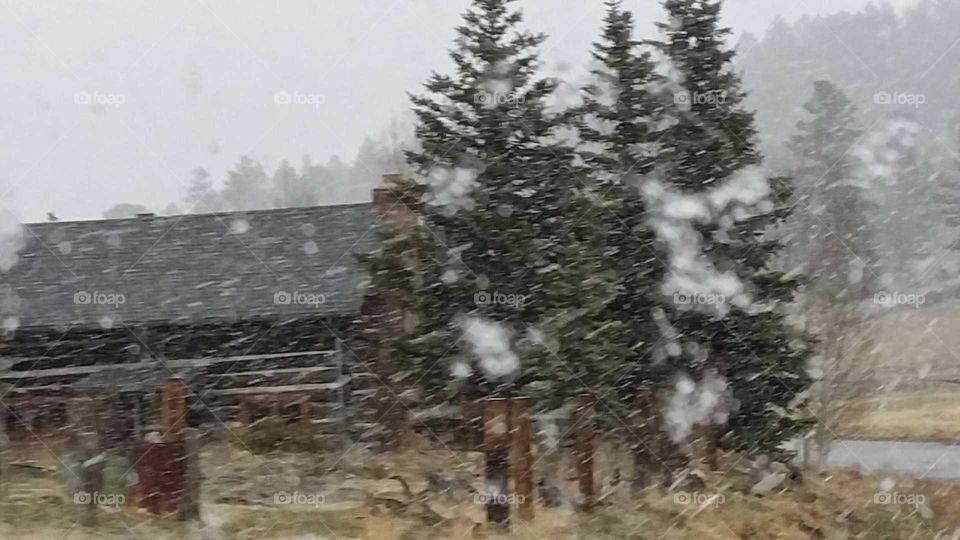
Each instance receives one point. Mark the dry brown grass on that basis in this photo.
(914, 415)
(837, 506)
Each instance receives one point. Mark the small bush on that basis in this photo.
(272, 434)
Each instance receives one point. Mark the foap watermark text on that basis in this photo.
(682, 298)
(297, 298)
(698, 499)
(497, 298)
(103, 99)
(498, 498)
(99, 499)
(899, 98)
(713, 97)
(898, 298)
(299, 98)
(895, 497)
(501, 99)
(297, 498)
(99, 298)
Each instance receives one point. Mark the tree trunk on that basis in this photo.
(646, 463)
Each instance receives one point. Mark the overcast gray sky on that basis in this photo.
(185, 84)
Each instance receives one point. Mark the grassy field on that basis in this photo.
(914, 415)
(237, 505)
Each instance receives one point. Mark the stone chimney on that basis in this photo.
(393, 200)
(385, 195)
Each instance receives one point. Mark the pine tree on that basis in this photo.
(714, 135)
(201, 196)
(619, 124)
(712, 141)
(285, 187)
(835, 231)
(620, 111)
(835, 237)
(505, 232)
(247, 186)
(374, 159)
(333, 180)
(903, 180)
(950, 202)
(316, 182)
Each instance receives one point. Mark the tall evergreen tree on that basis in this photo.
(247, 186)
(504, 264)
(317, 181)
(904, 179)
(201, 196)
(619, 124)
(835, 239)
(714, 136)
(712, 142)
(285, 187)
(950, 202)
(835, 231)
(621, 113)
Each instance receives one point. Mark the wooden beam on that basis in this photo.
(275, 389)
(184, 363)
(314, 369)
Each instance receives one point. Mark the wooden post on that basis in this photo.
(85, 475)
(342, 395)
(246, 412)
(522, 457)
(584, 448)
(305, 412)
(137, 419)
(190, 501)
(4, 451)
(496, 448)
(174, 409)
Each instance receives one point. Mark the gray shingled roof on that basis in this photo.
(243, 265)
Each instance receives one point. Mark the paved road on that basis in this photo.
(940, 459)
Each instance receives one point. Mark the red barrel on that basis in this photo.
(160, 476)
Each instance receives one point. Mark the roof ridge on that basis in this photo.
(137, 219)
